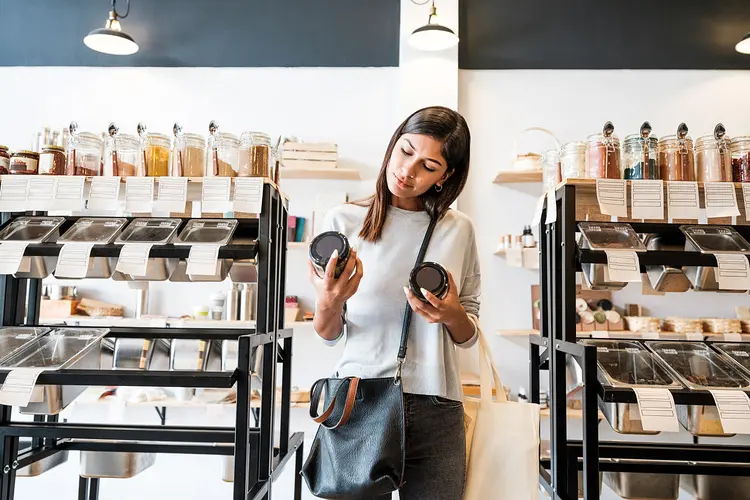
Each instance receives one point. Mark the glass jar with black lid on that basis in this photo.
(429, 276)
(323, 246)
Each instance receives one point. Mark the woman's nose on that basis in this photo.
(408, 169)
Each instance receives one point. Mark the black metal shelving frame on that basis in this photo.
(560, 259)
(257, 461)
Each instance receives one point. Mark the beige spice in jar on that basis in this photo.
(254, 161)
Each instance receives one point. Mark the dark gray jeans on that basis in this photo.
(435, 449)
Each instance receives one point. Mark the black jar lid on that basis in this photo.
(430, 276)
(323, 245)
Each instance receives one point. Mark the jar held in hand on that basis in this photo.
(431, 277)
(323, 246)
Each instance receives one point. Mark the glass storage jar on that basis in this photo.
(4, 160)
(741, 159)
(188, 155)
(222, 155)
(639, 157)
(573, 161)
(155, 151)
(84, 154)
(24, 162)
(255, 155)
(676, 160)
(713, 159)
(122, 155)
(602, 157)
(551, 169)
(52, 160)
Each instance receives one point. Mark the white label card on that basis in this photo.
(721, 200)
(104, 193)
(600, 334)
(203, 260)
(551, 206)
(683, 200)
(248, 194)
(650, 335)
(19, 386)
(41, 192)
(69, 193)
(746, 199)
(11, 255)
(623, 265)
(647, 199)
(216, 194)
(14, 193)
(611, 194)
(694, 336)
(733, 337)
(537, 219)
(734, 410)
(657, 410)
(139, 194)
(73, 261)
(734, 271)
(134, 258)
(172, 194)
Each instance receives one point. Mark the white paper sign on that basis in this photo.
(172, 194)
(134, 258)
(104, 193)
(41, 192)
(733, 272)
(694, 336)
(647, 199)
(203, 260)
(746, 199)
(734, 410)
(683, 200)
(11, 255)
(623, 265)
(537, 219)
(611, 194)
(69, 193)
(73, 261)
(14, 193)
(216, 193)
(650, 335)
(248, 194)
(733, 337)
(600, 334)
(551, 206)
(657, 411)
(721, 200)
(139, 194)
(19, 386)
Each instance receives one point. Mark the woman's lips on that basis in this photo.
(401, 183)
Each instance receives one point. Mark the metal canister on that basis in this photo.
(246, 302)
(233, 302)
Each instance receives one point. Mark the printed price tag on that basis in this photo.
(41, 193)
(11, 255)
(73, 261)
(721, 200)
(134, 258)
(203, 260)
(537, 219)
(139, 194)
(682, 200)
(18, 387)
(172, 194)
(14, 193)
(69, 193)
(611, 194)
(104, 194)
(216, 193)
(733, 272)
(248, 194)
(551, 207)
(623, 265)
(734, 410)
(657, 410)
(647, 199)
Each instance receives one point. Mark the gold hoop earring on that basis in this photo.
(438, 187)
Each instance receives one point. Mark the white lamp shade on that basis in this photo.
(433, 37)
(111, 42)
(743, 46)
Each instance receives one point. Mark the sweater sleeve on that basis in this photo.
(471, 290)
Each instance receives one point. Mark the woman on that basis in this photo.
(424, 170)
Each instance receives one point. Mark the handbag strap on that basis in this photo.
(407, 311)
(347, 386)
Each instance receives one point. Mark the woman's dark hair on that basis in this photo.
(444, 125)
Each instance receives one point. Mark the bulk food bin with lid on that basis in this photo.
(98, 231)
(606, 236)
(217, 232)
(711, 240)
(33, 230)
(59, 349)
(152, 231)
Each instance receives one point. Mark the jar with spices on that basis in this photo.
(84, 153)
(222, 153)
(603, 154)
(122, 154)
(639, 155)
(52, 160)
(713, 157)
(573, 160)
(155, 149)
(741, 159)
(188, 154)
(24, 162)
(255, 155)
(675, 153)
(4, 160)
(551, 169)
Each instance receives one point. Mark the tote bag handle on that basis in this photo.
(487, 366)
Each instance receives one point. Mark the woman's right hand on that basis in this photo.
(332, 292)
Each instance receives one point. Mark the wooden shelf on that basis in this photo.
(510, 176)
(343, 174)
(297, 244)
(517, 333)
(570, 412)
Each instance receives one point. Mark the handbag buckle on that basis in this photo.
(398, 371)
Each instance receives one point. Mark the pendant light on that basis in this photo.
(743, 46)
(432, 36)
(111, 39)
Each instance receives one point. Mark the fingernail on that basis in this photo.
(406, 291)
(424, 292)
(335, 253)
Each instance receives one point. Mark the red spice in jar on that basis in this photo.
(4, 160)
(741, 167)
(24, 162)
(603, 157)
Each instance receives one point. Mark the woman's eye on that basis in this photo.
(405, 152)
(428, 168)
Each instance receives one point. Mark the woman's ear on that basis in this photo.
(445, 176)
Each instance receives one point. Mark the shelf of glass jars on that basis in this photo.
(518, 176)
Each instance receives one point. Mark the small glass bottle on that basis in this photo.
(84, 153)
(155, 150)
(741, 159)
(52, 160)
(24, 162)
(222, 153)
(4, 160)
(188, 154)
(603, 154)
(255, 155)
(573, 161)
(551, 169)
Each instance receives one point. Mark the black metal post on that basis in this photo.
(242, 418)
(590, 425)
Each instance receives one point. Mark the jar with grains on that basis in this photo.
(84, 154)
(255, 155)
(551, 169)
(222, 153)
(4, 160)
(639, 153)
(122, 154)
(573, 161)
(603, 154)
(24, 162)
(52, 160)
(741, 159)
(188, 155)
(155, 151)
(713, 159)
(676, 160)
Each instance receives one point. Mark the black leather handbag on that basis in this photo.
(358, 451)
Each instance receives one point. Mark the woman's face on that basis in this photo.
(416, 165)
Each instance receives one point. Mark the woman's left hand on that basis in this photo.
(447, 310)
